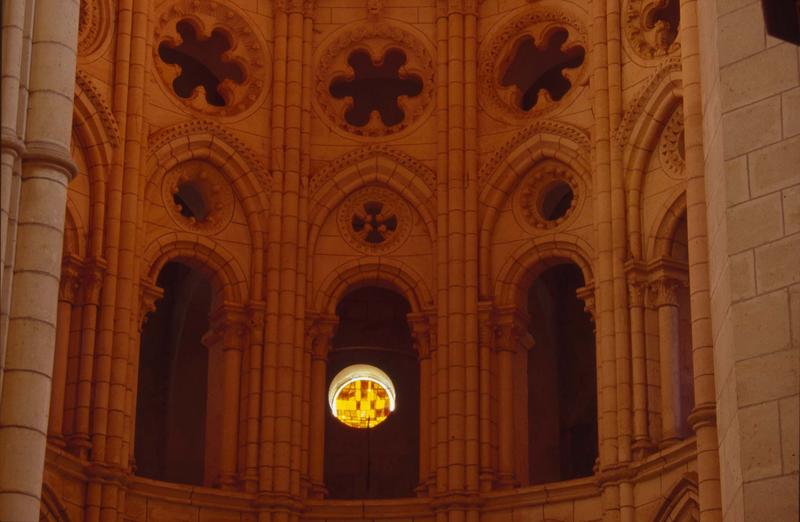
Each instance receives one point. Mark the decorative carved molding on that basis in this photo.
(533, 190)
(556, 128)
(375, 39)
(649, 36)
(149, 295)
(536, 21)
(247, 50)
(70, 281)
(671, 148)
(426, 174)
(84, 82)
(643, 97)
(92, 277)
(209, 185)
(420, 334)
(586, 294)
(94, 25)
(375, 220)
(664, 292)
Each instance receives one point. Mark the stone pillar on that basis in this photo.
(637, 289)
(510, 333)
(420, 333)
(486, 329)
(323, 333)
(68, 292)
(666, 301)
(232, 333)
(46, 170)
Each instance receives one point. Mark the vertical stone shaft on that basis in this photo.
(704, 416)
(666, 302)
(641, 431)
(234, 337)
(505, 363)
(256, 321)
(319, 368)
(67, 297)
(46, 170)
(486, 331)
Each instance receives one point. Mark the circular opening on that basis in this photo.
(190, 201)
(556, 200)
(361, 396)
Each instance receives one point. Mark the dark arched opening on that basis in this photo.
(562, 391)
(383, 461)
(173, 380)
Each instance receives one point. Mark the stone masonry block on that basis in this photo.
(768, 377)
(751, 127)
(775, 167)
(758, 76)
(776, 264)
(761, 325)
(761, 441)
(755, 222)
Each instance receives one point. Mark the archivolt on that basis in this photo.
(388, 273)
(529, 260)
(660, 242)
(681, 503)
(202, 254)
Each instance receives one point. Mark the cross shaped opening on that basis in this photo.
(202, 62)
(376, 86)
(533, 68)
(665, 17)
(373, 224)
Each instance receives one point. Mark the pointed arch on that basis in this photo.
(660, 241)
(532, 258)
(681, 503)
(206, 141)
(542, 140)
(74, 232)
(52, 510)
(638, 135)
(376, 164)
(371, 271)
(202, 254)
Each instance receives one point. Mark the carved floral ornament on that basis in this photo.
(198, 197)
(671, 149)
(652, 27)
(375, 220)
(374, 80)
(209, 58)
(549, 196)
(533, 63)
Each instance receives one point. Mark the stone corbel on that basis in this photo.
(420, 334)
(324, 328)
(586, 294)
(94, 270)
(229, 326)
(511, 331)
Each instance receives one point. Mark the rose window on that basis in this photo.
(375, 220)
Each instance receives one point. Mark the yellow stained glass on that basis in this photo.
(361, 396)
(362, 404)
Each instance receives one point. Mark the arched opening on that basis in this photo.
(562, 391)
(172, 393)
(380, 461)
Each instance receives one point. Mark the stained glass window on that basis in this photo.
(361, 396)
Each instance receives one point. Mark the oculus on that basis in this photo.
(198, 197)
(375, 220)
(652, 27)
(209, 58)
(373, 80)
(361, 396)
(548, 196)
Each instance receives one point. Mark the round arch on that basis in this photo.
(386, 273)
(202, 254)
(532, 258)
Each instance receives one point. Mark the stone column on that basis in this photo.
(46, 170)
(508, 341)
(420, 333)
(486, 329)
(233, 337)
(323, 333)
(68, 292)
(642, 444)
(666, 301)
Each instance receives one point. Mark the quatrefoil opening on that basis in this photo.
(204, 62)
(533, 69)
(375, 87)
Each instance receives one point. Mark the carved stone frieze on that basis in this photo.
(543, 25)
(247, 52)
(84, 84)
(375, 220)
(375, 40)
(198, 197)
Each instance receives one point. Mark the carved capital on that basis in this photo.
(149, 295)
(69, 285)
(92, 276)
(664, 292)
(420, 334)
(511, 332)
(229, 326)
(586, 294)
(321, 335)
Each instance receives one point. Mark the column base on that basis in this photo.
(642, 448)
